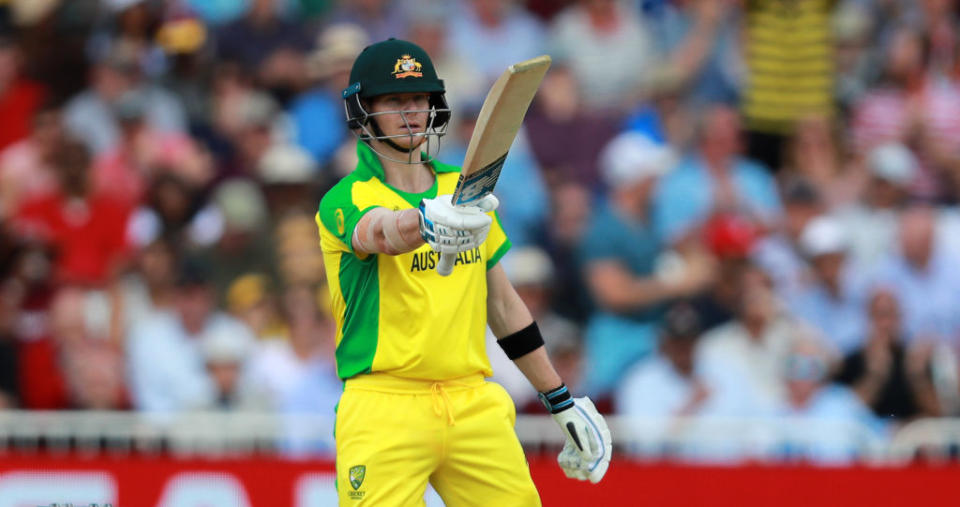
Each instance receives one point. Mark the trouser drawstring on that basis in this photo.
(441, 401)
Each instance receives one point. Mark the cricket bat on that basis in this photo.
(497, 125)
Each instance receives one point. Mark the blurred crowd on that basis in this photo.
(718, 208)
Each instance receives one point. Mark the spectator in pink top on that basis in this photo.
(124, 170)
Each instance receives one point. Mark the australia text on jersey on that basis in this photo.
(424, 261)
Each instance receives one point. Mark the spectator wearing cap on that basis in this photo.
(165, 355)
(227, 352)
(871, 223)
(926, 276)
(243, 243)
(831, 300)
(618, 254)
(532, 273)
(890, 375)
(838, 421)
(715, 179)
(90, 115)
(287, 173)
(317, 114)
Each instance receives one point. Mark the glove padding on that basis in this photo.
(454, 229)
(586, 454)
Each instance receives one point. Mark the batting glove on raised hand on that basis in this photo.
(586, 453)
(454, 229)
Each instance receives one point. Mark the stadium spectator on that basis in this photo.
(779, 252)
(814, 153)
(20, 97)
(299, 258)
(565, 136)
(836, 418)
(317, 113)
(243, 244)
(700, 47)
(267, 46)
(165, 363)
(891, 376)
(86, 228)
(714, 179)
(746, 356)
(148, 288)
(286, 370)
(482, 25)
(124, 169)
(226, 353)
(88, 116)
(188, 48)
(619, 252)
(831, 300)
(25, 165)
(380, 19)
(790, 71)
(668, 385)
(570, 206)
(926, 276)
(251, 300)
(591, 31)
(871, 223)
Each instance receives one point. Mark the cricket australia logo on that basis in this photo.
(357, 474)
(407, 66)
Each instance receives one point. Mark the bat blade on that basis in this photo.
(497, 125)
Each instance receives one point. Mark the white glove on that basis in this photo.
(454, 229)
(586, 454)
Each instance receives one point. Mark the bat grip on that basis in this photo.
(445, 266)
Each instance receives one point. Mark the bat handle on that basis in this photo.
(445, 266)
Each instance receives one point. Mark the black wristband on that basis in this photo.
(522, 342)
(556, 400)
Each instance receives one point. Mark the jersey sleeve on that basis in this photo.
(497, 242)
(337, 217)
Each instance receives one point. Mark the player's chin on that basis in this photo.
(410, 141)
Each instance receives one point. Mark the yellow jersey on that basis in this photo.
(394, 313)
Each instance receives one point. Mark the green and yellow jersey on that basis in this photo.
(394, 313)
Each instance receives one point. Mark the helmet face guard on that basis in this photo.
(365, 127)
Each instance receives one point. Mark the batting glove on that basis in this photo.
(586, 453)
(454, 229)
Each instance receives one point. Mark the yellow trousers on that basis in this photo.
(394, 435)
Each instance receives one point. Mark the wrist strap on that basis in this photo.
(522, 342)
(556, 400)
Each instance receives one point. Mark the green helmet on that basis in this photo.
(393, 66)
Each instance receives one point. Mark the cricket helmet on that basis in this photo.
(393, 66)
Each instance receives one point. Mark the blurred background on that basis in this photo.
(736, 222)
